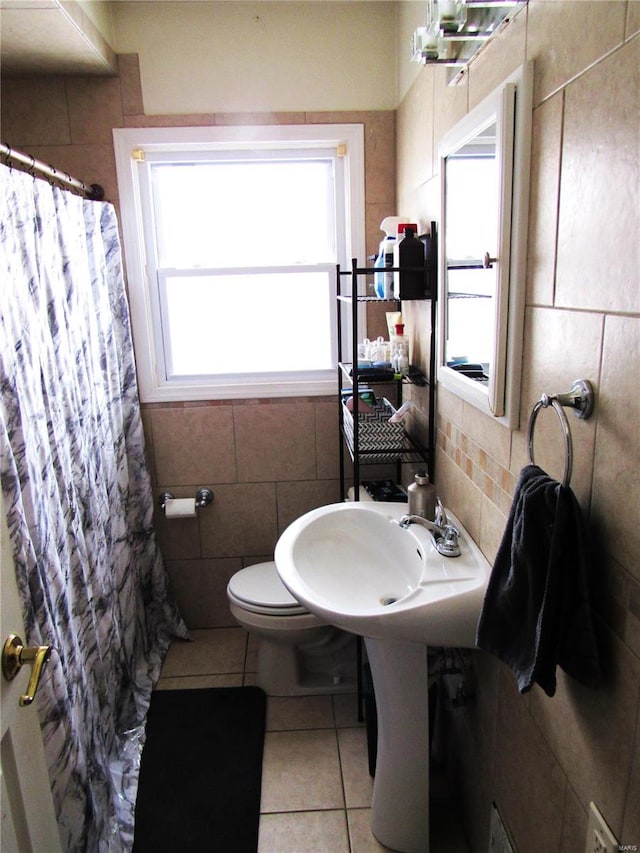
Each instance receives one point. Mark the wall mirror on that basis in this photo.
(484, 168)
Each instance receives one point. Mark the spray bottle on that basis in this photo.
(382, 280)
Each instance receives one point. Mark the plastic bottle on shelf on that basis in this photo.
(378, 350)
(422, 496)
(364, 350)
(402, 363)
(409, 256)
(400, 350)
(382, 280)
(378, 276)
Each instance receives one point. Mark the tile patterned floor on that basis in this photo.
(316, 788)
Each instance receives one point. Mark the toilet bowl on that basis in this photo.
(298, 654)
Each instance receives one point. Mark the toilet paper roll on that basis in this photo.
(180, 508)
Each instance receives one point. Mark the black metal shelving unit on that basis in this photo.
(402, 448)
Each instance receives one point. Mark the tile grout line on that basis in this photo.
(344, 792)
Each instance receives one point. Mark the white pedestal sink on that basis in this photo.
(353, 566)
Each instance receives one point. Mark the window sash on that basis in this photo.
(231, 213)
(236, 320)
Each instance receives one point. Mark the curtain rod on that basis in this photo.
(94, 193)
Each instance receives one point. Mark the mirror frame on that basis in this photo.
(510, 106)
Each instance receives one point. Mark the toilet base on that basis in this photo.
(285, 670)
(299, 655)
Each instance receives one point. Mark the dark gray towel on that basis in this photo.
(537, 613)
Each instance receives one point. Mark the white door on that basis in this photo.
(28, 819)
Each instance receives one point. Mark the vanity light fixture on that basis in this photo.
(455, 30)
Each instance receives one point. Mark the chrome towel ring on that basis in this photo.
(581, 399)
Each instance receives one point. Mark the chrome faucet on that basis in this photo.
(445, 536)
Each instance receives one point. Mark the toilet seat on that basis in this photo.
(259, 589)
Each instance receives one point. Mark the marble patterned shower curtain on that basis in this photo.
(79, 501)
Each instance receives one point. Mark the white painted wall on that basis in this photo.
(203, 57)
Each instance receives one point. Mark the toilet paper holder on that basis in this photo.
(203, 498)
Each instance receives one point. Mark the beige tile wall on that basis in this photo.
(542, 760)
(267, 461)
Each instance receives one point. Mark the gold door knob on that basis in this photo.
(15, 654)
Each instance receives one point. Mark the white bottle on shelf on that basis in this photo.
(400, 350)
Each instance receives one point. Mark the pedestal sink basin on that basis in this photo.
(355, 567)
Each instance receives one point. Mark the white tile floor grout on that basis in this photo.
(316, 788)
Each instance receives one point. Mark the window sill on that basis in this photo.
(234, 390)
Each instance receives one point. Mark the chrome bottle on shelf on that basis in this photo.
(422, 496)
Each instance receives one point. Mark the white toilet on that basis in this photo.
(298, 654)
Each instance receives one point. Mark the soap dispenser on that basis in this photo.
(422, 496)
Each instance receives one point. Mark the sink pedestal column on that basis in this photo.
(400, 804)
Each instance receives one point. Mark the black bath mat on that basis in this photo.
(201, 769)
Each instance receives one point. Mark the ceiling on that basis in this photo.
(51, 37)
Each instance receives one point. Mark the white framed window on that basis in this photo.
(231, 239)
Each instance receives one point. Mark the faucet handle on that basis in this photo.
(441, 516)
(449, 545)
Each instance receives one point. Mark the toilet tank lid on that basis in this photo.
(261, 584)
